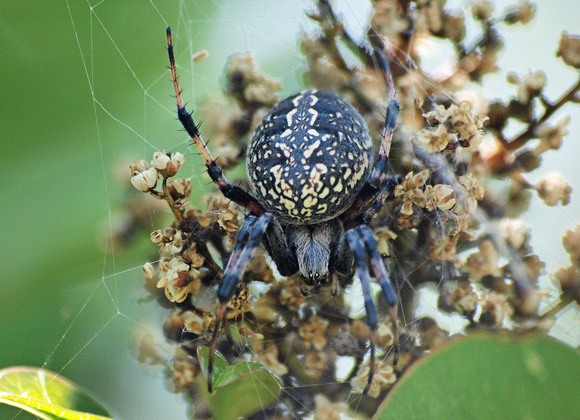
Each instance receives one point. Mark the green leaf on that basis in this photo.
(47, 395)
(483, 377)
(250, 385)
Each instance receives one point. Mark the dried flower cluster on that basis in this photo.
(429, 230)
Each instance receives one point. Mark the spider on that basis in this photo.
(314, 191)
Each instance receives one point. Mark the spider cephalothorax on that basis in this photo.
(309, 166)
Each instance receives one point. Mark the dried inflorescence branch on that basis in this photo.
(449, 161)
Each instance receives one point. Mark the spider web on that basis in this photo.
(98, 307)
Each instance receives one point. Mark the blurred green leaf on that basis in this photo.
(47, 395)
(240, 389)
(484, 377)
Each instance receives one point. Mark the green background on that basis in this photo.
(81, 89)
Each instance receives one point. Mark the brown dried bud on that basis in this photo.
(193, 323)
(465, 299)
(268, 355)
(569, 49)
(514, 232)
(571, 242)
(494, 309)
(199, 56)
(384, 377)
(551, 137)
(148, 270)
(184, 368)
(144, 181)
(523, 13)
(156, 236)
(529, 86)
(192, 257)
(179, 188)
(484, 262)
(482, 9)
(315, 363)
(553, 189)
(569, 279)
(312, 333)
(167, 164)
(384, 235)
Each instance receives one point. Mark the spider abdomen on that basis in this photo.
(309, 157)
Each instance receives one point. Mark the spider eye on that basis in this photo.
(316, 279)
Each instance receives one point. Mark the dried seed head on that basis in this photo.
(384, 377)
(551, 137)
(193, 323)
(264, 310)
(199, 56)
(494, 309)
(514, 232)
(384, 235)
(244, 80)
(192, 257)
(167, 164)
(553, 189)
(268, 355)
(179, 188)
(569, 49)
(482, 9)
(360, 330)
(569, 279)
(431, 335)
(327, 410)
(146, 180)
(484, 262)
(385, 336)
(178, 280)
(571, 242)
(156, 236)
(465, 299)
(312, 333)
(315, 364)
(184, 369)
(148, 270)
(529, 86)
(239, 302)
(433, 140)
(523, 13)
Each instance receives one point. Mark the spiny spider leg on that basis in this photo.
(380, 182)
(382, 276)
(249, 237)
(392, 108)
(233, 192)
(356, 244)
(361, 242)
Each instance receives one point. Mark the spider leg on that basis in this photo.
(380, 183)
(231, 191)
(382, 276)
(361, 241)
(277, 246)
(249, 237)
(358, 249)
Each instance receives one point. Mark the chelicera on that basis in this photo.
(314, 190)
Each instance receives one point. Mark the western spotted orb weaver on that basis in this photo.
(315, 189)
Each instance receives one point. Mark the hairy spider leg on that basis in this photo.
(382, 277)
(392, 109)
(249, 237)
(233, 192)
(380, 183)
(357, 247)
